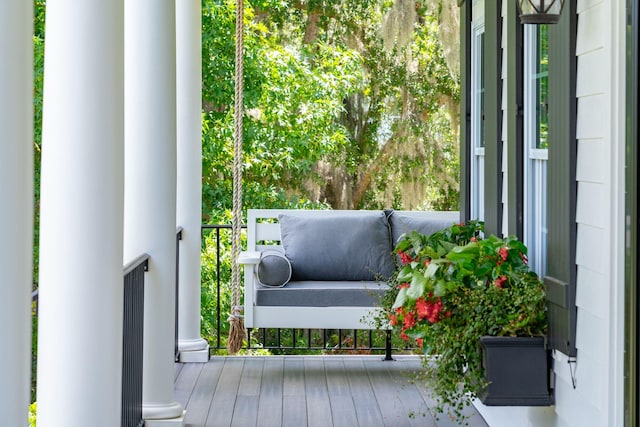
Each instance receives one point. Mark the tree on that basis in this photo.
(293, 101)
(350, 103)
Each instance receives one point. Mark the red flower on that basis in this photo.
(500, 281)
(473, 239)
(504, 253)
(404, 336)
(405, 258)
(429, 310)
(404, 285)
(393, 320)
(420, 342)
(409, 320)
(427, 262)
(436, 309)
(423, 308)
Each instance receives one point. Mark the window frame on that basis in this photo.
(477, 150)
(535, 159)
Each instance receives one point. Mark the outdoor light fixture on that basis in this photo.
(540, 11)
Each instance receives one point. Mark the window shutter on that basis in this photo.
(561, 213)
(493, 117)
(632, 397)
(514, 123)
(465, 109)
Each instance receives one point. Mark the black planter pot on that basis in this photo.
(517, 369)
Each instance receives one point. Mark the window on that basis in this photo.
(536, 144)
(477, 119)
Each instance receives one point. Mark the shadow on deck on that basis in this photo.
(299, 391)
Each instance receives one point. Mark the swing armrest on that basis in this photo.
(250, 260)
(249, 257)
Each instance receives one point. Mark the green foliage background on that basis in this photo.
(341, 108)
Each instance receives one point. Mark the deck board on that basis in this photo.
(317, 394)
(297, 391)
(202, 395)
(176, 370)
(224, 398)
(294, 405)
(185, 381)
(367, 409)
(343, 409)
(400, 404)
(271, 391)
(248, 399)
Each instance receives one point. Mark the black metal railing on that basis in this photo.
(176, 351)
(218, 263)
(287, 340)
(132, 342)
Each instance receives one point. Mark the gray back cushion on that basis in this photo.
(339, 246)
(405, 223)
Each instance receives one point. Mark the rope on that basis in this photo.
(236, 323)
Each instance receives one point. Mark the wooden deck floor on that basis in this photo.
(298, 391)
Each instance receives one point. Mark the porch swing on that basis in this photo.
(306, 269)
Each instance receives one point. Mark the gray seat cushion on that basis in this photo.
(338, 245)
(322, 294)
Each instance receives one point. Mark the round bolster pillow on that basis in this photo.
(274, 269)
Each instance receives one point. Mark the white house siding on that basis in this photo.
(599, 218)
(597, 397)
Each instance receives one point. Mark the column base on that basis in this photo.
(194, 356)
(192, 345)
(169, 422)
(166, 412)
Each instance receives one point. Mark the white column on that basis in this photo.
(82, 194)
(150, 190)
(189, 177)
(16, 214)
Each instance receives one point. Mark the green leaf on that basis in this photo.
(447, 246)
(417, 288)
(415, 333)
(401, 299)
(440, 289)
(432, 269)
(405, 274)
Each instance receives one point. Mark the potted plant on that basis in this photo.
(454, 293)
